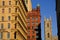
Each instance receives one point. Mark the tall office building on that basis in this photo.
(33, 20)
(48, 29)
(13, 20)
(58, 17)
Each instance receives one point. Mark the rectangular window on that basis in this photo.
(1, 35)
(8, 35)
(15, 9)
(9, 2)
(15, 35)
(9, 10)
(1, 26)
(16, 2)
(48, 35)
(2, 18)
(3, 10)
(33, 18)
(8, 25)
(3, 3)
(9, 18)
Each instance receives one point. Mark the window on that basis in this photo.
(28, 23)
(15, 35)
(32, 18)
(9, 2)
(36, 18)
(3, 10)
(9, 10)
(2, 18)
(3, 3)
(8, 25)
(36, 31)
(32, 36)
(8, 17)
(28, 18)
(48, 35)
(36, 23)
(28, 32)
(37, 36)
(32, 23)
(47, 24)
(8, 35)
(33, 32)
(16, 2)
(1, 35)
(28, 37)
(1, 26)
(32, 27)
(15, 17)
(28, 28)
(15, 9)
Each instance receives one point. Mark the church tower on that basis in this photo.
(48, 29)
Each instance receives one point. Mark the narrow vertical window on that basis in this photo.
(1, 26)
(3, 10)
(9, 10)
(8, 17)
(9, 2)
(48, 35)
(8, 35)
(3, 3)
(15, 9)
(15, 35)
(16, 3)
(2, 18)
(15, 17)
(8, 25)
(1, 35)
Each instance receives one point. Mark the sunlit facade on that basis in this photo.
(13, 20)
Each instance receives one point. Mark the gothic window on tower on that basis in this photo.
(48, 35)
(47, 24)
(3, 3)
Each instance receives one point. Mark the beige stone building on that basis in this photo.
(48, 29)
(13, 20)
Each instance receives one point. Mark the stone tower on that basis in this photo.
(48, 29)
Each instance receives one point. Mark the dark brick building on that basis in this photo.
(58, 16)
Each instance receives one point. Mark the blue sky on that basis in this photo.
(48, 8)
